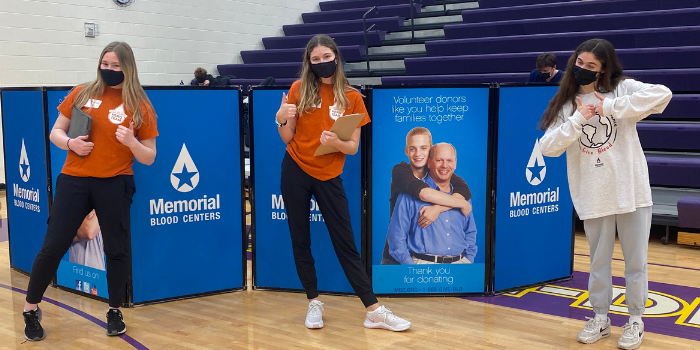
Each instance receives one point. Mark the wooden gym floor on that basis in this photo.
(274, 320)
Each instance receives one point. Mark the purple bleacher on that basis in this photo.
(681, 107)
(349, 54)
(568, 24)
(677, 137)
(374, 38)
(353, 4)
(403, 10)
(689, 212)
(674, 79)
(245, 83)
(389, 24)
(486, 4)
(571, 8)
(261, 70)
(674, 172)
(645, 58)
(455, 79)
(621, 39)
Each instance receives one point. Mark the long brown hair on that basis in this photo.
(132, 92)
(611, 67)
(310, 83)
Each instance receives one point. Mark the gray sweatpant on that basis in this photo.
(633, 231)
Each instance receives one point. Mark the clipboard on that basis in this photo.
(343, 127)
(80, 124)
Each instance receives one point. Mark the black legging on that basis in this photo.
(75, 197)
(297, 188)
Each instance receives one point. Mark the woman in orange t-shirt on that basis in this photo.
(315, 101)
(97, 175)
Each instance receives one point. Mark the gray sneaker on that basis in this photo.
(385, 319)
(314, 317)
(632, 336)
(595, 330)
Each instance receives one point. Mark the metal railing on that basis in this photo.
(413, 32)
(365, 30)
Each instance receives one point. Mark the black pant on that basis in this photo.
(75, 197)
(297, 188)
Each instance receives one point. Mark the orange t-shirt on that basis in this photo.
(312, 123)
(109, 157)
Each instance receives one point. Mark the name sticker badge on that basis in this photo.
(335, 113)
(117, 115)
(93, 104)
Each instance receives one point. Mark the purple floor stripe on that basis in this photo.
(677, 267)
(133, 342)
(674, 310)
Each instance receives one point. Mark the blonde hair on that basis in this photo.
(133, 94)
(419, 130)
(310, 83)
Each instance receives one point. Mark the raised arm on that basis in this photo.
(286, 117)
(566, 131)
(638, 101)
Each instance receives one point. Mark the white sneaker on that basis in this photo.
(632, 336)
(314, 318)
(595, 330)
(384, 318)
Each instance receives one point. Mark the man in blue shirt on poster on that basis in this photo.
(450, 239)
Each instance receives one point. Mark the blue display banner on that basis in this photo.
(454, 115)
(57, 156)
(82, 268)
(534, 212)
(186, 216)
(274, 262)
(25, 173)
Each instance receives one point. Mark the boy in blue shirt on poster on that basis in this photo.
(451, 239)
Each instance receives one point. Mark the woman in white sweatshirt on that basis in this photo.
(593, 118)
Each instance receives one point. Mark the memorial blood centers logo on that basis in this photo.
(184, 176)
(117, 115)
(527, 203)
(536, 168)
(335, 112)
(25, 198)
(24, 169)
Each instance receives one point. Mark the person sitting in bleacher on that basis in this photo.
(202, 78)
(546, 71)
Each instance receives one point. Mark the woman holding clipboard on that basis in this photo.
(315, 102)
(97, 175)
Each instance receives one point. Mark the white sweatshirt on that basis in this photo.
(606, 166)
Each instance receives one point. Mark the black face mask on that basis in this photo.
(546, 75)
(112, 77)
(325, 69)
(584, 76)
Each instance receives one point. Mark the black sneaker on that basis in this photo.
(32, 327)
(115, 322)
